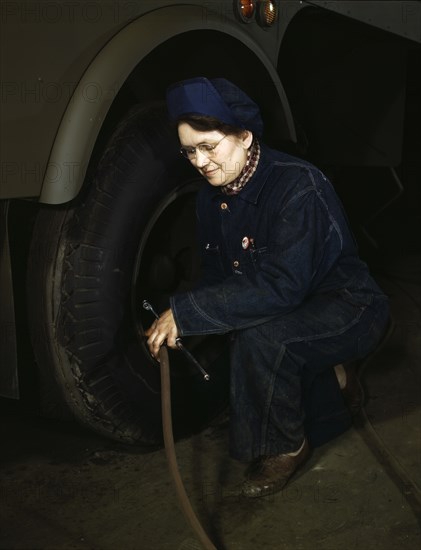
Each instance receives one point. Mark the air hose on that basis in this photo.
(170, 451)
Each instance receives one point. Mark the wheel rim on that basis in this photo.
(167, 262)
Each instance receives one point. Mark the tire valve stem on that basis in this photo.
(146, 305)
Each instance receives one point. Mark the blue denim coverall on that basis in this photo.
(282, 275)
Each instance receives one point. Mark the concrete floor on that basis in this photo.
(65, 488)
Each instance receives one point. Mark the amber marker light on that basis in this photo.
(267, 13)
(245, 9)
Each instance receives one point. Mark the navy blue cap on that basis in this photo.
(216, 97)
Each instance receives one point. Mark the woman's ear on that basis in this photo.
(247, 139)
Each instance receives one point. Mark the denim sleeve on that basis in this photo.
(305, 243)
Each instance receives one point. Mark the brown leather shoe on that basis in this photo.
(269, 474)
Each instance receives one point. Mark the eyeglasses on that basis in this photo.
(206, 149)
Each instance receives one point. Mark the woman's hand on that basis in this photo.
(162, 329)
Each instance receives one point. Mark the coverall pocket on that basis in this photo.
(256, 255)
(213, 267)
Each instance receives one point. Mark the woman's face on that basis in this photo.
(224, 163)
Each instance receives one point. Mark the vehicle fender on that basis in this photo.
(108, 71)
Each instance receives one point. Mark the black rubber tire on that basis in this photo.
(86, 285)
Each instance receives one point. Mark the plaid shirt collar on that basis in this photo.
(253, 156)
